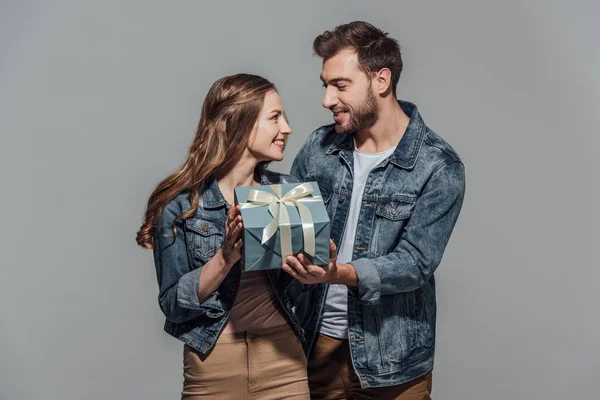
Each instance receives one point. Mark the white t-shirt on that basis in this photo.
(335, 312)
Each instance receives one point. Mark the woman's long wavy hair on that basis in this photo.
(229, 114)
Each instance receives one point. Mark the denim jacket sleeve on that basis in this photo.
(178, 280)
(422, 245)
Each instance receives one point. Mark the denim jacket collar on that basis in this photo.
(407, 151)
(212, 196)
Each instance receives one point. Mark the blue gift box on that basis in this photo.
(283, 218)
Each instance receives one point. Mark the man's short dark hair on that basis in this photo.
(376, 50)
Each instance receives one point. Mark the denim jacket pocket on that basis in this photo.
(391, 218)
(395, 210)
(375, 350)
(206, 237)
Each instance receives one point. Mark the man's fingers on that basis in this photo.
(316, 270)
(332, 249)
(297, 266)
(304, 260)
(293, 273)
(312, 269)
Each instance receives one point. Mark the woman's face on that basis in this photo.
(267, 141)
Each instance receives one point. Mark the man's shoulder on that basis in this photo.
(437, 149)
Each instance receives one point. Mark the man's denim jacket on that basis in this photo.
(410, 204)
(180, 258)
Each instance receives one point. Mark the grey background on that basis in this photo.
(99, 100)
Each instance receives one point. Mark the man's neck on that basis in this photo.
(387, 130)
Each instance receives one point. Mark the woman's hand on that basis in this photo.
(232, 244)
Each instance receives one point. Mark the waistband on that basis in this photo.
(278, 332)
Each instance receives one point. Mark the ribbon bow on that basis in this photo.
(281, 218)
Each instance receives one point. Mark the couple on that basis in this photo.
(361, 327)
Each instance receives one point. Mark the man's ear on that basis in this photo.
(383, 80)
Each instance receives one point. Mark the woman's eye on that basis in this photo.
(275, 117)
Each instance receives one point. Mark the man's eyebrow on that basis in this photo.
(336, 80)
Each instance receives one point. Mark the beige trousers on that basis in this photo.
(265, 365)
(331, 376)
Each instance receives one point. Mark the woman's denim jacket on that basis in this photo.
(179, 259)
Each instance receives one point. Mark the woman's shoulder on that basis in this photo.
(175, 207)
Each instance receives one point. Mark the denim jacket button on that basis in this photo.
(205, 227)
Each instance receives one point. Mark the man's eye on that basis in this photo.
(341, 87)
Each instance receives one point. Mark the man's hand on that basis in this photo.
(306, 272)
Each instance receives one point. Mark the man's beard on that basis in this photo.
(363, 116)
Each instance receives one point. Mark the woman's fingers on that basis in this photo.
(234, 223)
(237, 230)
(238, 245)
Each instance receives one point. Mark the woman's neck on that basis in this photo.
(241, 174)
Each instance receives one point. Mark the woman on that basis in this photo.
(238, 327)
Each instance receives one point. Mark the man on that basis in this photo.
(393, 190)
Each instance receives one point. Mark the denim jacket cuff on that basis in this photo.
(369, 284)
(187, 290)
(187, 296)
